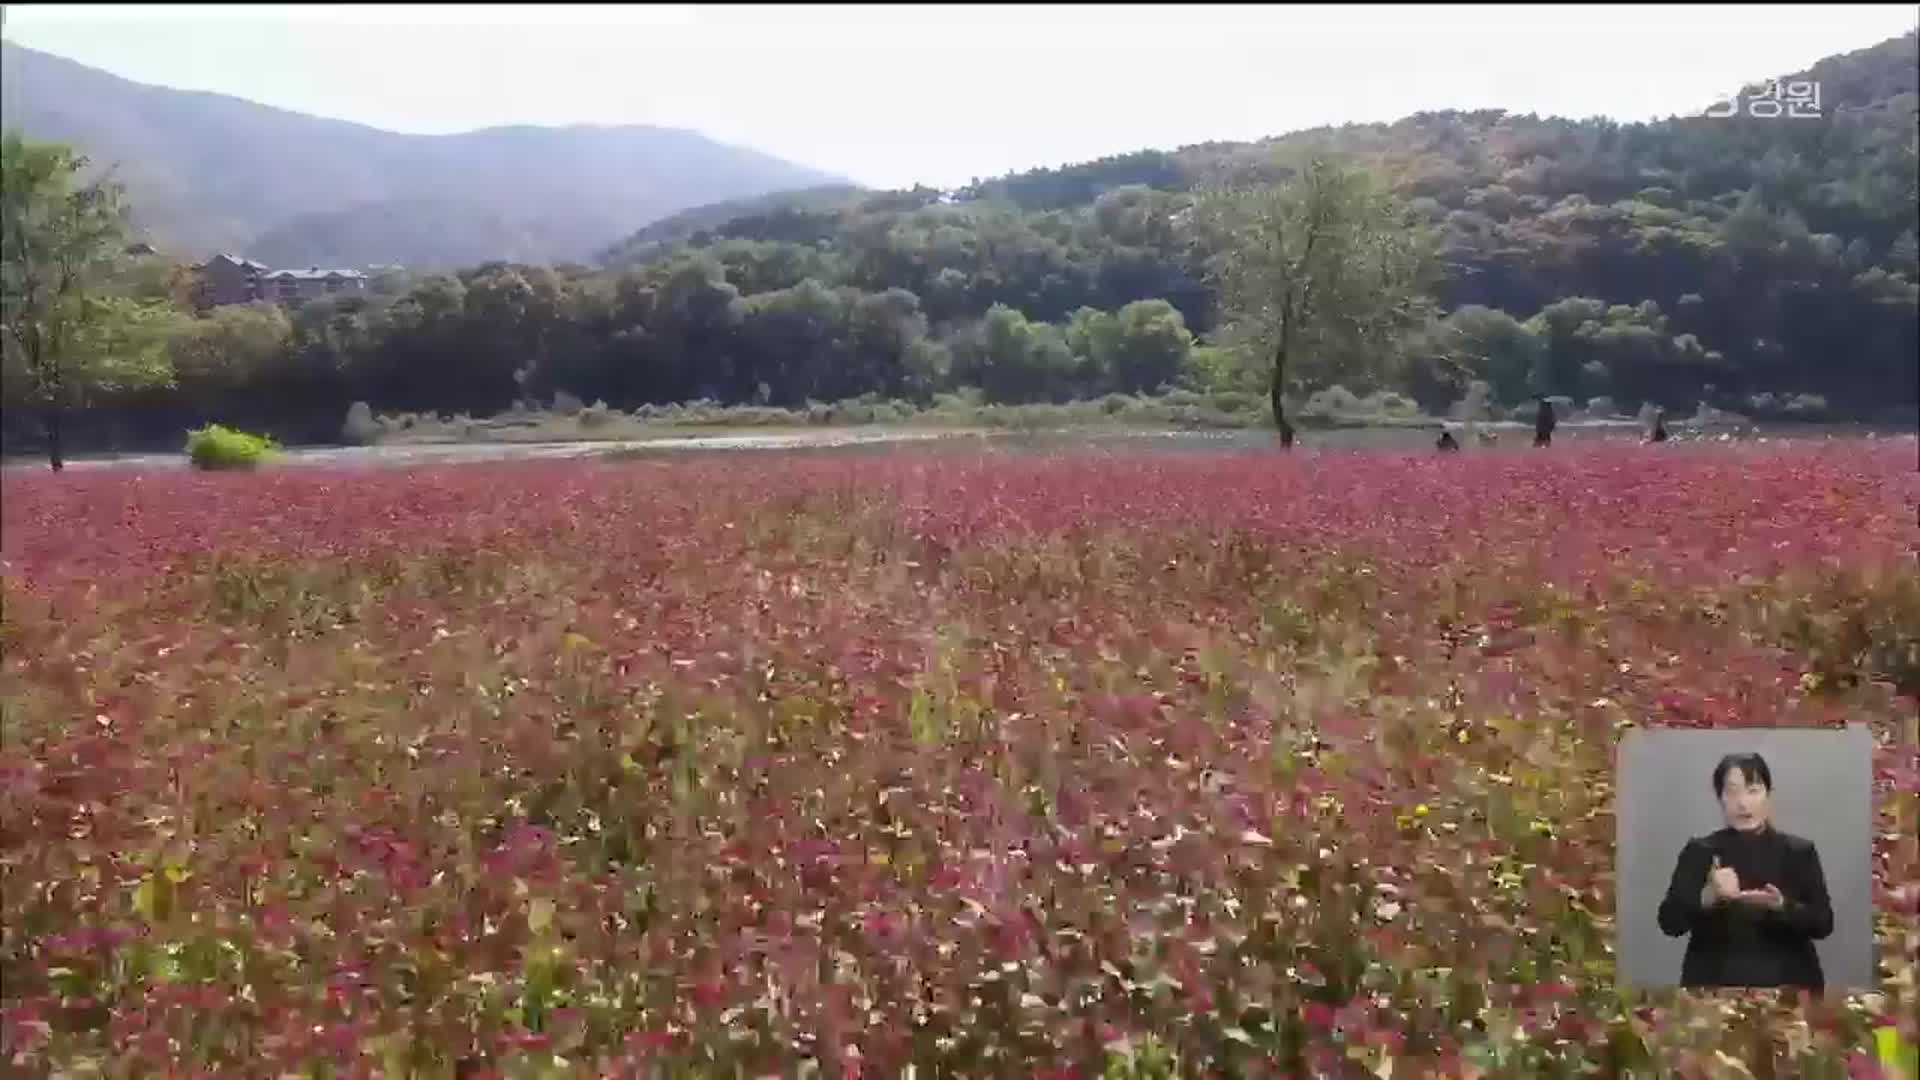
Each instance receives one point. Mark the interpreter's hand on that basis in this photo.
(1769, 898)
(1723, 883)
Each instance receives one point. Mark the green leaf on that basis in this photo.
(1900, 1057)
(153, 899)
(540, 915)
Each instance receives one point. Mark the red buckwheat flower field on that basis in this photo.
(971, 763)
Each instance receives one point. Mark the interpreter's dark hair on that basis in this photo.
(1751, 766)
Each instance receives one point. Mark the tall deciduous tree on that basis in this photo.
(1323, 272)
(65, 337)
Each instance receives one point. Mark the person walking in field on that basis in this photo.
(1659, 433)
(1543, 422)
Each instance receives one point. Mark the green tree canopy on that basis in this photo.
(66, 337)
(1325, 272)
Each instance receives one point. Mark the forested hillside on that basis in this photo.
(1746, 255)
(1767, 266)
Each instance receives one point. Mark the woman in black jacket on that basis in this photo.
(1750, 899)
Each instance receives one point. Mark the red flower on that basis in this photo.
(707, 993)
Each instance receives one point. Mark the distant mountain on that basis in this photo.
(208, 172)
(429, 232)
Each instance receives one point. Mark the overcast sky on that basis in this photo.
(889, 96)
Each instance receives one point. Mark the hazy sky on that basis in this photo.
(940, 94)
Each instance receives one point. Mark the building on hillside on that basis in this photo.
(229, 279)
(313, 283)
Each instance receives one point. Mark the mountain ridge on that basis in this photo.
(563, 192)
(1874, 79)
